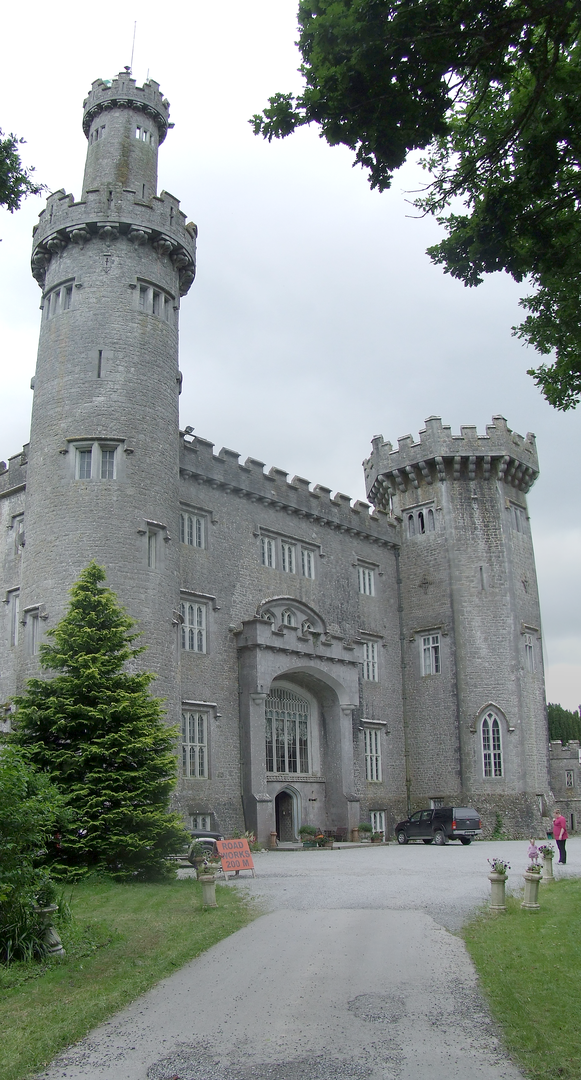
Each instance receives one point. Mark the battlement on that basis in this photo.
(568, 752)
(224, 470)
(122, 92)
(13, 474)
(438, 455)
(258, 633)
(107, 216)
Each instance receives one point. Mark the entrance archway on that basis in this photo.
(284, 806)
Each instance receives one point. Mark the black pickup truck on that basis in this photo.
(440, 825)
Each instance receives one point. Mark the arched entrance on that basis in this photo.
(286, 826)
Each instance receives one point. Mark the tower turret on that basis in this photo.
(103, 465)
(475, 700)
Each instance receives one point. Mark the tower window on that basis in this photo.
(491, 746)
(372, 755)
(33, 628)
(60, 299)
(152, 548)
(569, 781)
(94, 460)
(107, 464)
(154, 301)
(288, 617)
(14, 601)
(288, 557)
(308, 562)
(431, 654)
(366, 578)
(195, 744)
(267, 551)
(84, 463)
(370, 673)
(193, 530)
(194, 626)
(420, 521)
(529, 654)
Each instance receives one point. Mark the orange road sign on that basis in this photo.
(235, 855)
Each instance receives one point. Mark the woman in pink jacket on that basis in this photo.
(560, 834)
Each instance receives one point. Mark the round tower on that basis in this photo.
(103, 470)
(471, 631)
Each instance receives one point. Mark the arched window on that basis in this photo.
(268, 616)
(421, 522)
(287, 732)
(411, 525)
(491, 745)
(431, 521)
(287, 617)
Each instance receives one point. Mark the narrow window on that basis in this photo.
(431, 521)
(529, 654)
(183, 528)
(14, 617)
(411, 525)
(156, 296)
(67, 297)
(569, 778)
(144, 298)
(137, 132)
(84, 461)
(267, 551)
(287, 617)
(366, 581)
(167, 308)
(195, 744)
(307, 563)
(372, 755)
(431, 654)
(199, 532)
(107, 464)
(287, 557)
(491, 746)
(370, 661)
(33, 632)
(99, 363)
(151, 548)
(421, 522)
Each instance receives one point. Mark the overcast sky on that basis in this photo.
(316, 320)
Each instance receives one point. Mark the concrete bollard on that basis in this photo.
(208, 890)
(273, 841)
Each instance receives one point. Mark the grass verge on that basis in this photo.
(528, 964)
(121, 941)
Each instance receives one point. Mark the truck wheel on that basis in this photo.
(440, 838)
(465, 840)
(402, 838)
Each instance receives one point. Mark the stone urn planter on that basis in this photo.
(208, 882)
(532, 882)
(50, 936)
(497, 891)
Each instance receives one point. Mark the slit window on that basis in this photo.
(529, 654)
(152, 549)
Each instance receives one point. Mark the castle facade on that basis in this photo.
(329, 662)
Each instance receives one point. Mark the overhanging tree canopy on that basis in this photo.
(491, 89)
(98, 733)
(15, 180)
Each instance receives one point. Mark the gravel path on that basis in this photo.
(352, 974)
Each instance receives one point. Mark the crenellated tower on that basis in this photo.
(471, 632)
(103, 465)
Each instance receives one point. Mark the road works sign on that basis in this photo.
(235, 856)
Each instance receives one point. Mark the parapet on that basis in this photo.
(274, 489)
(500, 454)
(123, 92)
(13, 474)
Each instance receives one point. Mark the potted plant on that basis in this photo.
(307, 834)
(365, 831)
(532, 876)
(323, 841)
(197, 856)
(497, 878)
(547, 852)
(377, 838)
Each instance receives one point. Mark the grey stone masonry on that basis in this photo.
(565, 762)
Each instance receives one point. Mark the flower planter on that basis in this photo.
(52, 941)
(548, 869)
(497, 891)
(310, 844)
(531, 900)
(208, 890)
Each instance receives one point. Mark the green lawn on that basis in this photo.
(529, 965)
(121, 941)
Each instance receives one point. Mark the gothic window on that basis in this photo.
(195, 744)
(421, 520)
(287, 557)
(431, 521)
(411, 525)
(194, 637)
(287, 732)
(529, 653)
(372, 755)
(307, 562)
(366, 578)
(268, 616)
(193, 530)
(431, 654)
(491, 745)
(370, 673)
(267, 551)
(288, 617)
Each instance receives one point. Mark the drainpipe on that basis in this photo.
(406, 748)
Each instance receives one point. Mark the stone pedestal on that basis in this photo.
(272, 843)
(208, 890)
(548, 869)
(52, 941)
(354, 836)
(497, 891)
(531, 900)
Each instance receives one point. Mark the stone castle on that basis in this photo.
(330, 662)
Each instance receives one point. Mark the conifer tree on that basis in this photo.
(96, 730)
